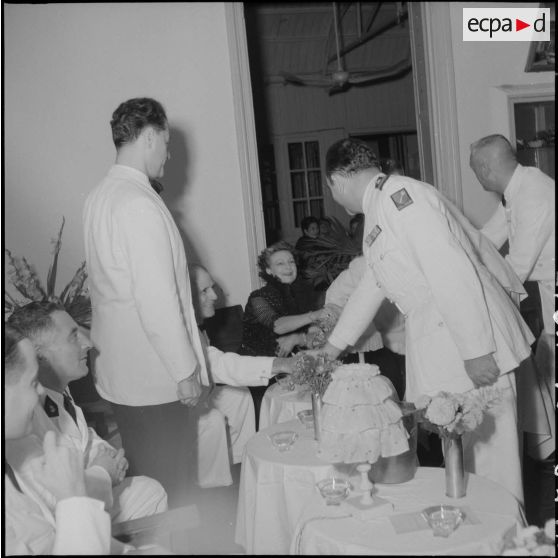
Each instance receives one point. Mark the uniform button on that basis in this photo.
(381, 256)
(379, 285)
(441, 324)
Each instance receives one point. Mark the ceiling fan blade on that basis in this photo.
(312, 81)
(365, 77)
(338, 88)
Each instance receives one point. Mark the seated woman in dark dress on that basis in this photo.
(277, 315)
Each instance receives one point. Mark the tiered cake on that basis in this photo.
(360, 420)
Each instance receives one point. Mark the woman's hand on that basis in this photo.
(286, 343)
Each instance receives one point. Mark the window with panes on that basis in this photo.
(306, 180)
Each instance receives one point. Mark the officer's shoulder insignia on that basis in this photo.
(51, 408)
(401, 199)
(380, 181)
(373, 235)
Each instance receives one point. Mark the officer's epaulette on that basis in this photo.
(380, 181)
(51, 408)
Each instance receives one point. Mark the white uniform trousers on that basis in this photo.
(493, 450)
(137, 497)
(232, 406)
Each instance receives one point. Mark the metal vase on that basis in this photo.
(455, 472)
(317, 410)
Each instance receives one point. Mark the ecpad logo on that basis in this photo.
(506, 24)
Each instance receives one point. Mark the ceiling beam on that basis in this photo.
(369, 36)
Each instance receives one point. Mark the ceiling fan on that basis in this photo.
(341, 79)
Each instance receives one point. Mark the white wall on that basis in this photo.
(66, 68)
(480, 68)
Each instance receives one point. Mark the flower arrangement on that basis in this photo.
(532, 541)
(453, 414)
(74, 296)
(314, 372)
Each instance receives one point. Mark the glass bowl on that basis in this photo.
(443, 519)
(285, 381)
(306, 417)
(283, 440)
(334, 490)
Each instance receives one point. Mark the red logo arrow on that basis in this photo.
(519, 25)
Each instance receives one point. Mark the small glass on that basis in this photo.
(306, 418)
(443, 519)
(284, 440)
(334, 490)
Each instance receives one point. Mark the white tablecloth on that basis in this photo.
(280, 405)
(323, 529)
(274, 488)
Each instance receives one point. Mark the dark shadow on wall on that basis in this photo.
(176, 184)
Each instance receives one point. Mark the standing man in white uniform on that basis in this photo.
(462, 330)
(150, 356)
(527, 220)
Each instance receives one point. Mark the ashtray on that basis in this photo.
(283, 440)
(443, 519)
(334, 490)
(306, 418)
(285, 381)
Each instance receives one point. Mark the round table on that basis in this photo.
(280, 509)
(491, 512)
(274, 488)
(281, 405)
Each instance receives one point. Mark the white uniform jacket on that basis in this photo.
(133, 497)
(78, 526)
(339, 292)
(423, 260)
(143, 321)
(528, 222)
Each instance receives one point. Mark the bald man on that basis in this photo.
(525, 217)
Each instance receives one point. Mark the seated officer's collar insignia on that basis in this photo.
(401, 199)
(51, 408)
(373, 235)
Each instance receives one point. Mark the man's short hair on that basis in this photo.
(349, 156)
(493, 139)
(13, 358)
(307, 221)
(132, 116)
(34, 318)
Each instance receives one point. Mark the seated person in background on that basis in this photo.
(78, 524)
(226, 404)
(277, 315)
(392, 166)
(325, 226)
(62, 349)
(306, 248)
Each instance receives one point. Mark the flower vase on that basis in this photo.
(455, 472)
(316, 410)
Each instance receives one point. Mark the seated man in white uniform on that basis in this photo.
(62, 349)
(78, 524)
(230, 404)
